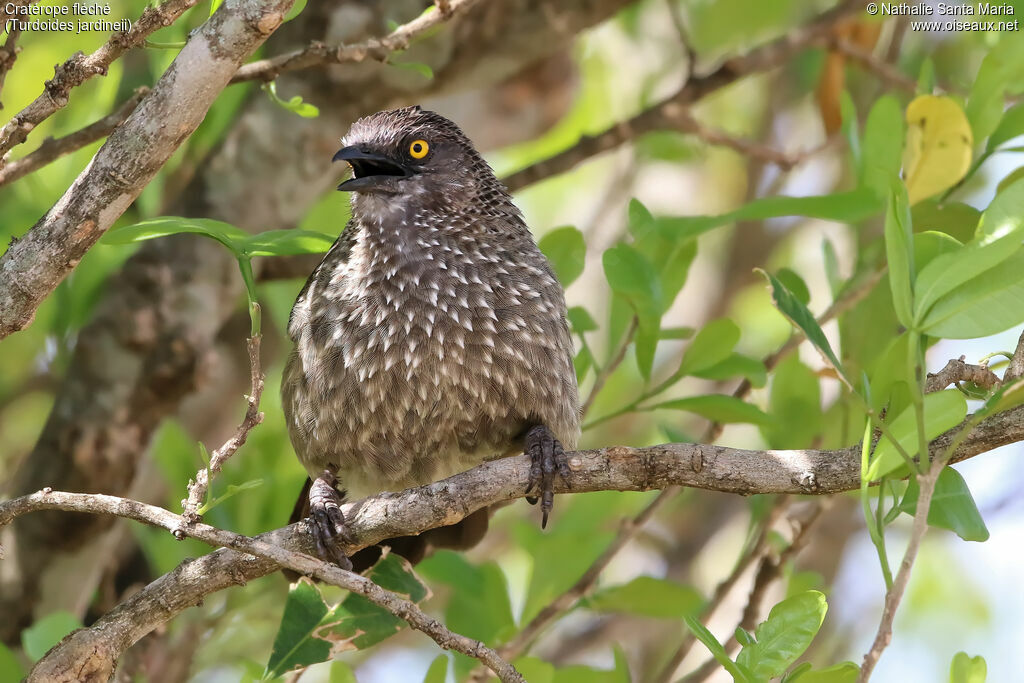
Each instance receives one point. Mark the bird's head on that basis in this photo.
(409, 155)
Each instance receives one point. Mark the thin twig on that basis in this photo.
(867, 59)
(956, 371)
(299, 562)
(197, 490)
(377, 49)
(9, 52)
(927, 482)
(847, 300)
(79, 68)
(53, 149)
(669, 113)
(768, 572)
(724, 587)
(602, 377)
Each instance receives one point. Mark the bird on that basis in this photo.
(431, 337)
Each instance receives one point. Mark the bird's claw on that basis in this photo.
(546, 458)
(328, 521)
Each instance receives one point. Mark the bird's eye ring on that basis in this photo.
(418, 149)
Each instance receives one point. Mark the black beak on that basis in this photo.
(370, 169)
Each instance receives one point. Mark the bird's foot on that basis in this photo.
(546, 458)
(328, 522)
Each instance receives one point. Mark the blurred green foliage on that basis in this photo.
(648, 282)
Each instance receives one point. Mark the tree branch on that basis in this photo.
(389, 515)
(53, 149)
(198, 489)
(136, 150)
(673, 113)
(80, 653)
(80, 68)
(377, 49)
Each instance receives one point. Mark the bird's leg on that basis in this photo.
(328, 521)
(546, 457)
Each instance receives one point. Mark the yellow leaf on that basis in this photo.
(937, 152)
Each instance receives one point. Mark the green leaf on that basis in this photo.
(296, 644)
(676, 332)
(794, 406)
(802, 318)
(632, 276)
(784, 635)
(952, 506)
(647, 596)
(225, 233)
(293, 104)
(999, 236)
(38, 638)
(286, 243)
(341, 672)
(310, 632)
(794, 283)
(419, 67)
(989, 303)
(717, 651)
(10, 668)
(899, 253)
(717, 407)
(566, 251)
(956, 219)
(736, 365)
(479, 606)
(883, 146)
(943, 410)
(1010, 126)
(846, 672)
(535, 670)
(831, 260)
(438, 671)
(848, 127)
(231, 491)
(712, 345)
(842, 207)
(669, 254)
(581, 320)
(1002, 65)
(926, 77)
(359, 623)
(967, 669)
(295, 11)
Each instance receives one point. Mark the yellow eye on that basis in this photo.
(418, 149)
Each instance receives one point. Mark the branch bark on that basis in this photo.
(52, 149)
(389, 515)
(133, 154)
(80, 658)
(317, 54)
(79, 68)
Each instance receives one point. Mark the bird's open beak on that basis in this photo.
(370, 169)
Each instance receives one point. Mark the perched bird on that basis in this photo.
(431, 337)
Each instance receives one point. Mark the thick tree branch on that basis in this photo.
(136, 150)
(673, 113)
(81, 655)
(446, 502)
(53, 149)
(377, 49)
(79, 68)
